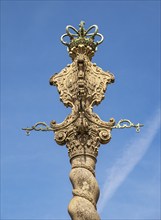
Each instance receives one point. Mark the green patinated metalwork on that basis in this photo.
(82, 35)
(123, 123)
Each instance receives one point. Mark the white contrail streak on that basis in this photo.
(131, 156)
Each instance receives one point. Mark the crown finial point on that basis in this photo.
(82, 23)
(82, 31)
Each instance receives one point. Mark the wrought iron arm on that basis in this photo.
(37, 128)
(125, 123)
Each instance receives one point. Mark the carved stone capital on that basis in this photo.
(83, 134)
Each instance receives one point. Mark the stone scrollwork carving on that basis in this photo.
(82, 85)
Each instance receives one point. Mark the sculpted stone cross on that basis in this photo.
(82, 85)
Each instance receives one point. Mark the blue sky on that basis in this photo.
(34, 169)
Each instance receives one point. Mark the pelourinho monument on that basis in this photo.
(81, 85)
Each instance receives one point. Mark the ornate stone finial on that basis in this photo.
(82, 41)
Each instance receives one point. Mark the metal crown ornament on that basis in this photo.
(82, 41)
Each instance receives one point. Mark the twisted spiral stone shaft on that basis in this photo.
(85, 189)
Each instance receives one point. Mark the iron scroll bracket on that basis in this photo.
(123, 123)
(39, 126)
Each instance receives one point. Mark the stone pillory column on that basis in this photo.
(82, 85)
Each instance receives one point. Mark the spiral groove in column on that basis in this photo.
(85, 190)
